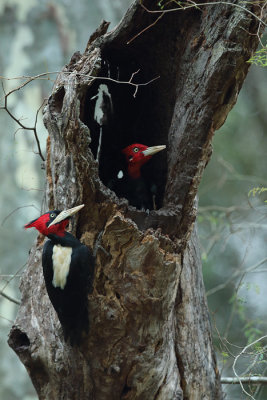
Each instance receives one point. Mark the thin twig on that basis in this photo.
(194, 5)
(235, 361)
(261, 15)
(255, 361)
(133, 74)
(259, 387)
(91, 77)
(13, 276)
(18, 121)
(146, 28)
(226, 210)
(9, 297)
(16, 209)
(9, 320)
(235, 275)
(29, 79)
(31, 189)
(35, 131)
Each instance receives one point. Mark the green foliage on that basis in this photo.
(259, 58)
(225, 357)
(251, 332)
(164, 3)
(257, 191)
(251, 328)
(253, 286)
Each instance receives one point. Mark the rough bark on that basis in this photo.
(150, 336)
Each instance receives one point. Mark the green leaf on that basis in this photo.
(260, 57)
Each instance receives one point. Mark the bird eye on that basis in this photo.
(136, 149)
(52, 215)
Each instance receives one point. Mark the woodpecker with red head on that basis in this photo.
(132, 184)
(68, 268)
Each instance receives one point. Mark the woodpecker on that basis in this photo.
(68, 268)
(130, 183)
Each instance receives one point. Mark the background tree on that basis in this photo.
(232, 229)
(160, 220)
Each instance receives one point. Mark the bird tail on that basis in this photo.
(75, 331)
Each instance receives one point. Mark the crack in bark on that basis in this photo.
(179, 360)
(160, 387)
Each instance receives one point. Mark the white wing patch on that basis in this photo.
(61, 265)
(120, 174)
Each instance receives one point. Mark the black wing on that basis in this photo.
(135, 190)
(71, 303)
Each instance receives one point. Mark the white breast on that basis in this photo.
(61, 265)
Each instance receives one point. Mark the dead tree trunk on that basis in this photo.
(150, 335)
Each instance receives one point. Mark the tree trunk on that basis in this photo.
(150, 336)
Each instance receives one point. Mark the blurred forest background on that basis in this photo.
(40, 36)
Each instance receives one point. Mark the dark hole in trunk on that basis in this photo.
(145, 118)
(19, 340)
(58, 99)
(126, 120)
(125, 390)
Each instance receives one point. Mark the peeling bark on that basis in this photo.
(150, 336)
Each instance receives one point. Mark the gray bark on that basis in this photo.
(150, 336)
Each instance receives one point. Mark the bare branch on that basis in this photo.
(29, 79)
(248, 379)
(136, 85)
(18, 121)
(91, 77)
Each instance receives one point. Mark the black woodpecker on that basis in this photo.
(130, 183)
(68, 268)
